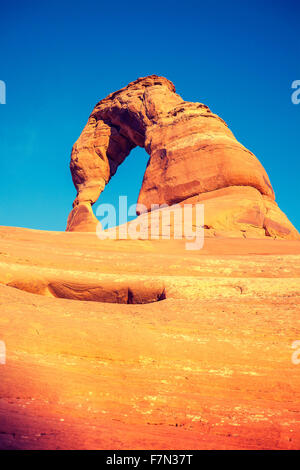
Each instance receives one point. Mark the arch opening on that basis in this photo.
(126, 181)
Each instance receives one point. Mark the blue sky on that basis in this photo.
(59, 58)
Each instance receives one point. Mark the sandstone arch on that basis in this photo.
(192, 156)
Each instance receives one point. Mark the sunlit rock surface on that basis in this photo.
(194, 157)
(139, 344)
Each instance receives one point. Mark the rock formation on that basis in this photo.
(194, 157)
(208, 367)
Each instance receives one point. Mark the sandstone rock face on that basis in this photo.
(193, 157)
(204, 363)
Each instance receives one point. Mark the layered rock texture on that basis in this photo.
(194, 158)
(144, 345)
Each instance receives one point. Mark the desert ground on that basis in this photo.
(139, 344)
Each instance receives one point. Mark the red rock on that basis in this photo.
(82, 219)
(208, 367)
(192, 154)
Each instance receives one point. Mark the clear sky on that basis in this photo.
(59, 58)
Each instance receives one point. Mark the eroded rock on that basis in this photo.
(193, 156)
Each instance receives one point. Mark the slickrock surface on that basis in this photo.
(194, 157)
(175, 349)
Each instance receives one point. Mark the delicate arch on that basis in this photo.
(192, 151)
